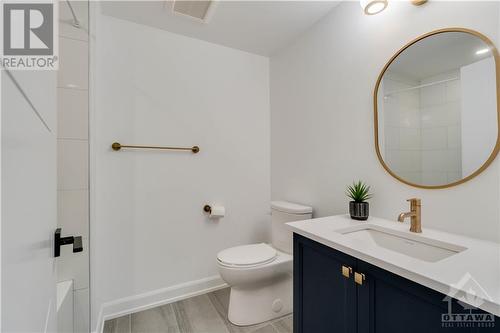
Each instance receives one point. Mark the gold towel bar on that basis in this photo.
(117, 146)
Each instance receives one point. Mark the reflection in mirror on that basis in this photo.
(436, 104)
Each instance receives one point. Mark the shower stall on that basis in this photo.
(73, 165)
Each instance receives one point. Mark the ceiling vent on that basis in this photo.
(196, 9)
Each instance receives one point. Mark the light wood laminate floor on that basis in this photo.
(201, 314)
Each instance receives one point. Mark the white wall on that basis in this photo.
(148, 231)
(479, 125)
(322, 116)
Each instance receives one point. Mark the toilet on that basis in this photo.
(260, 275)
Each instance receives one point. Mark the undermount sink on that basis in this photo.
(414, 246)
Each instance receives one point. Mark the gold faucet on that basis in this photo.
(414, 213)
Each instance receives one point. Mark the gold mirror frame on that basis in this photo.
(493, 154)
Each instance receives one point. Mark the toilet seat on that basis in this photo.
(246, 256)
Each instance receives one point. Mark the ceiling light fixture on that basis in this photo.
(482, 51)
(372, 7)
(418, 2)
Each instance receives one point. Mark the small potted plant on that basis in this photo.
(359, 192)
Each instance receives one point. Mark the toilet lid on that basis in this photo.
(246, 255)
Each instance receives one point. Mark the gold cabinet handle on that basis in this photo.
(359, 278)
(346, 271)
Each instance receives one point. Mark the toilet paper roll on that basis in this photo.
(217, 212)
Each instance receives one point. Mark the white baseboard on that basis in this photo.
(154, 298)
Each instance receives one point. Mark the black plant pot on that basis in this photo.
(359, 210)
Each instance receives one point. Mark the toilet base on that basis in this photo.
(255, 304)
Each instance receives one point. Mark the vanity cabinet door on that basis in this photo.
(324, 299)
(390, 303)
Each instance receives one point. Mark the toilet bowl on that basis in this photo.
(260, 275)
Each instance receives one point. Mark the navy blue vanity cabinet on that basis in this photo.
(389, 303)
(323, 297)
(326, 300)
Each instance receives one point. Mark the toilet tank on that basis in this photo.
(283, 212)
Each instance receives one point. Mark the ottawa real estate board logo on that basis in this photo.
(29, 40)
(464, 300)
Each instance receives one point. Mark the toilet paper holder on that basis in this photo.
(214, 212)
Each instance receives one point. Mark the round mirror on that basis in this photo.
(437, 110)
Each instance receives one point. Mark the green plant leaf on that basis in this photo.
(359, 191)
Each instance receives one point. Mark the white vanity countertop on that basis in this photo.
(455, 276)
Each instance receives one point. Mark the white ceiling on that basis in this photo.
(260, 27)
(439, 54)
